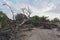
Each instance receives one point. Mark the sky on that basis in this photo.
(49, 8)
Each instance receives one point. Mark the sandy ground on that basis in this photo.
(40, 34)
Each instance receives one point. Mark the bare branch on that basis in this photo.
(23, 22)
(10, 9)
(28, 12)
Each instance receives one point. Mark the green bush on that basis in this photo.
(3, 18)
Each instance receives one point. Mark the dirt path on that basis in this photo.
(43, 34)
(38, 34)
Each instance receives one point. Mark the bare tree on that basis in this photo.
(13, 34)
(28, 13)
(11, 10)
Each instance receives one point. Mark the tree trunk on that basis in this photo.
(0, 24)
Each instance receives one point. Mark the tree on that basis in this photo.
(10, 10)
(3, 18)
(25, 11)
(20, 17)
(44, 19)
(28, 12)
(35, 20)
(55, 20)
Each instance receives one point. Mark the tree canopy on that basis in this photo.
(55, 20)
(3, 18)
(36, 20)
(20, 17)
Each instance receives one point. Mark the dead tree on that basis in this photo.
(0, 24)
(12, 31)
(26, 11)
(11, 10)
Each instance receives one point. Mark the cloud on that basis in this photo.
(56, 10)
(0, 3)
(44, 8)
(38, 7)
(48, 7)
